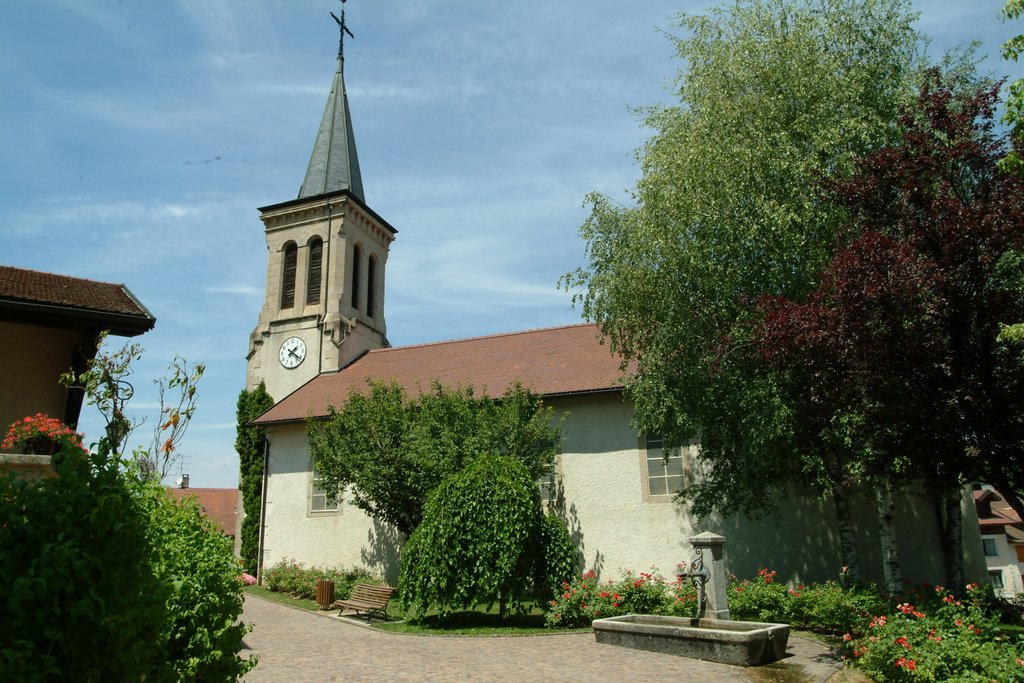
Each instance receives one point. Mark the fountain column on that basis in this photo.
(709, 546)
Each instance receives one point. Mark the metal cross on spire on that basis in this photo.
(342, 30)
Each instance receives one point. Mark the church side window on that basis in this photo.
(320, 500)
(549, 484)
(357, 257)
(316, 255)
(371, 279)
(291, 258)
(663, 476)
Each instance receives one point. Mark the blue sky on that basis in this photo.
(138, 138)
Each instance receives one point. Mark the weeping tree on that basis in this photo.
(773, 95)
(480, 541)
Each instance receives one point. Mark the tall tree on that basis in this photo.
(250, 448)
(393, 450)
(903, 329)
(775, 93)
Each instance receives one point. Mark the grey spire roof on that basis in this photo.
(334, 164)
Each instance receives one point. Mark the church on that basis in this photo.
(321, 332)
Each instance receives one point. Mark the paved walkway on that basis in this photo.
(297, 646)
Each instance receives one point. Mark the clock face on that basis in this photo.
(293, 352)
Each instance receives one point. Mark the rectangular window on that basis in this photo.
(664, 475)
(319, 500)
(996, 579)
(549, 484)
(989, 544)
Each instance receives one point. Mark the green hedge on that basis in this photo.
(106, 579)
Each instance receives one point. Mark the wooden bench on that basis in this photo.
(367, 599)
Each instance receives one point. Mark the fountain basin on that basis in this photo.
(744, 643)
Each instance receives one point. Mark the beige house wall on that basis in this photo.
(614, 524)
(34, 358)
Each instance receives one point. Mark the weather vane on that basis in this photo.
(342, 30)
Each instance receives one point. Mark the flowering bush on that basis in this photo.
(830, 608)
(945, 639)
(288, 576)
(586, 599)
(759, 600)
(41, 434)
(248, 579)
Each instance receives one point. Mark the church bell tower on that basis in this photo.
(327, 255)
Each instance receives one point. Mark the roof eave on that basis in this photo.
(56, 315)
(326, 197)
(259, 422)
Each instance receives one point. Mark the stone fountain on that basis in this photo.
(711, 635)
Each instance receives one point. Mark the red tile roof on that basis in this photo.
(220, 505)
(551, 362)
(46, 297)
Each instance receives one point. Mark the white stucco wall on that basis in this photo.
(327, 539)
(1004, 562)
(613, 523)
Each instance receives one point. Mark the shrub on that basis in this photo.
(954, 640)
(560, 557)
(830, 608)
(292, 578)
(108, 579)
(201, 635)
(574, 606)
(80, 596)
(762, 599)
(584, 600)
(479, 541)
(683, 598)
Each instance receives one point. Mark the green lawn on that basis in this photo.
(478, 622)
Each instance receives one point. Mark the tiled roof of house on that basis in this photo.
(219, 505)
(34, 296)
(550, 362)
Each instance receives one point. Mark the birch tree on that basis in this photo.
(773, 95)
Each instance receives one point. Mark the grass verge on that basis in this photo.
(281, 598)
(467, 623)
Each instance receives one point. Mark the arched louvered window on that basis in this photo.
(357, 258)
(316, 256)
(371, 281)
(291, 257)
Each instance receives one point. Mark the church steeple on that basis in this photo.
(327, 254)
(334, 164)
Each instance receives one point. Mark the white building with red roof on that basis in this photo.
(321, 334)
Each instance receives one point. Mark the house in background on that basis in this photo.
(49, 324)
(1002, 539)
(221, 506)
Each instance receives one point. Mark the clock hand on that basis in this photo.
(291, 352)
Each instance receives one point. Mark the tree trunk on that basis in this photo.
(953, 537)
(844, 520)
(887, 537)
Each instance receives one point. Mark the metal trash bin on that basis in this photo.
(325, 593)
